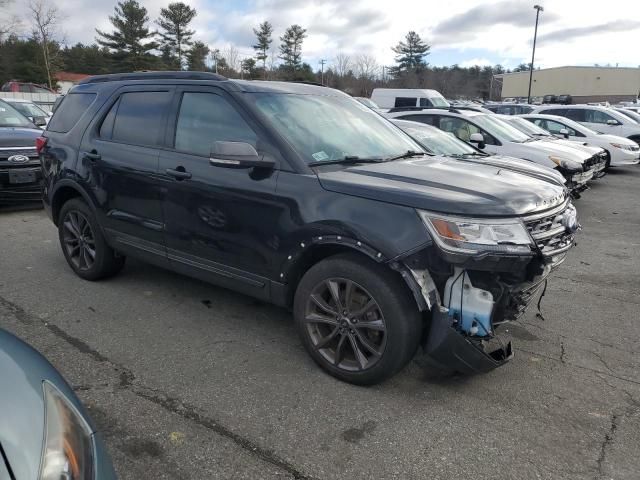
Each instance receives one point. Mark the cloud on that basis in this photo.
(480, 62)
(576, 32)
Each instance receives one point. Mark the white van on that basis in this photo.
(408, 97)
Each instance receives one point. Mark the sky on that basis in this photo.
(464, 32)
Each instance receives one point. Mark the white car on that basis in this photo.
(30, 110)
(621, 151)
(407, 97)
(493, 135)
(598, 155)
(600, 119)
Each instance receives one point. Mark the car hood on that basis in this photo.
(445, 185)
(552, 147)
(605, 137)
(18, 137)
(522, 166)
(22, 403)
(584, 146)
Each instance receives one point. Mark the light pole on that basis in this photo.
(533, 54)
(322, 62)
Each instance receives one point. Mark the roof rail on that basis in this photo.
(306, 82)
(417, 109)
(117, 77)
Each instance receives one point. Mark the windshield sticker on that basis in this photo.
(320, 156)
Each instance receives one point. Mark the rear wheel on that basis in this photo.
(356, 319)
(83, 244)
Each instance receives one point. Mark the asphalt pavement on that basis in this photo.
(190, 381)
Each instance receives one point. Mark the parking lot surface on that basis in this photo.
(190, 381)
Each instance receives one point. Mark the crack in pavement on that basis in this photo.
(608, 440)
(170, 404)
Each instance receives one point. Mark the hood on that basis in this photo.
(522, 166)
(615, 139)
(22, 403)
(553, 147)
(445, 185)
(584, 146)
(19, 137)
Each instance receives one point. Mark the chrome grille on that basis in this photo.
(549, 232)
(30, 152)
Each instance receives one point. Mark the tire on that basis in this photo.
(79, 235)
(390, 326)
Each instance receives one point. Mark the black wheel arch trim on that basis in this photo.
(74, 185)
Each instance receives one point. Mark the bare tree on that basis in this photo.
(366, 66)
(45, 19)
(8, 24)
(232, 57)
(272, 61)
(342, 64)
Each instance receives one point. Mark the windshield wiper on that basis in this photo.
(407, 154)
(347, 160)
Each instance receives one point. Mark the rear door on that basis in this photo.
(119, 156)
(220, 222)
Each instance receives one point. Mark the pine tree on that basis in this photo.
(196, 56)
(127, 41)
(411, 54)
(291, 46)
(174, 21)
(263, 36)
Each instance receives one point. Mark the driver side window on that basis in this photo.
(463, 129)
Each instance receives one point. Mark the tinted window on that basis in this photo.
(205, 118)
(106, 129)
(139, 117)
(425, 102)
(576, 114)
(69, 111)
(596, 116)
(24, 88)
(428, 119)
(406, 102)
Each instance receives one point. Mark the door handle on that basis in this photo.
(92, 156)
(179, 173)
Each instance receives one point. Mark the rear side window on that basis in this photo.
(576, 114)
(406, 102)
(69, 111)
(205, 118)
(138, 118)
(596, 116)
(425, 102)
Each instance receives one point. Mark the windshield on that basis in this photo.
(578, 127)
(528, 127)
(439, 142)
(10, 117)
(328, 128)
(367, 102)
(500, 129)
(628, 113)
(28, 109)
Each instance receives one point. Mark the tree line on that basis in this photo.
(135, 42)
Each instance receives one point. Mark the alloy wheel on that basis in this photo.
(345, 324)
(78, 240)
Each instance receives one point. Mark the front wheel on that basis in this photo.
(83, 244)
(356, 319)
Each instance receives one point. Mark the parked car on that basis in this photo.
(537, 100)
(509, 108)
(495, 136)
(509, 100)
(407, 97)
(25, 87)
(33, 112)
(598, 156)
(45, 431)
(299, 195)
(437, 142)
(635, 116)
(549, 99)
(598, 118)
(565, 99)
(620, 151)
(20, 173)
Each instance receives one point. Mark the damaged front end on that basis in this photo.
(478, 274)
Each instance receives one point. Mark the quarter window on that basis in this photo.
(69, 111)
(205, 118)
(139, 118)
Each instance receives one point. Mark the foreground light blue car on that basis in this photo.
(45, 432)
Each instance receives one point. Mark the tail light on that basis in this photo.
(41, 142)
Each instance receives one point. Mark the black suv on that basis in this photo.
(301, 196)
(20, 173)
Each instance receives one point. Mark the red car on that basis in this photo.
(25, 88)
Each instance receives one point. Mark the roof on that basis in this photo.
(70, 77)
(586, 67)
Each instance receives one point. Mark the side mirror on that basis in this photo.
(39, 121)
(237, 155)
(479, 139)
(613, 122)
(564, 132)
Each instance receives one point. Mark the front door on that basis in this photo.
(221, 223)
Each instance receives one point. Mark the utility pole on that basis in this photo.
(322, 62)
(538, 9)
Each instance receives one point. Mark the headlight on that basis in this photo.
(477, 236)
(623, 147)
(566, 164)
(68, 445)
